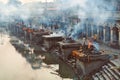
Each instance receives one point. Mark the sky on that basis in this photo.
(26, 1)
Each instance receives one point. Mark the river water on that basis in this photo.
(15, 66)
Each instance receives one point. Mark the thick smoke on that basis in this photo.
(14, 11)
(35, 13)
(95, 12)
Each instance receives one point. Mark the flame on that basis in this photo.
(24, 28)
(30, 30)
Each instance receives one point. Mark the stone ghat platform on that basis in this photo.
(110, 71)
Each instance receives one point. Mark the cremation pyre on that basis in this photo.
(66, 47)
(50, 41)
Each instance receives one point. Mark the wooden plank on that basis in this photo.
(113, 75)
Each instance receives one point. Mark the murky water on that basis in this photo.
(14, 65)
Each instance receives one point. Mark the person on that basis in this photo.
(89, 44)
(80, 50)
(84, 40)
(95, 37)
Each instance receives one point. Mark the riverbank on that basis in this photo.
(15, 67)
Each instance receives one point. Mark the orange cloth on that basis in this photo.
(76, 53)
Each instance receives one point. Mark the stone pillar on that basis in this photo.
(104, 34)
(119, 36)
(97, 32)
(91, 30)
(17, 30)
(25, 35)
(111, 35)
(87, 31)
(30, 36)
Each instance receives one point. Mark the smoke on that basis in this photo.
(7, 12)
(15, 11)
(96, 45)
(95, 12)
(35, 13)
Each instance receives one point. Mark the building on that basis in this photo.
(107, 30)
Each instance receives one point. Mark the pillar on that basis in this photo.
(104, 34)
(97, 32)
(119, 37)
(17, 31)
(25, 35)
(111, 35)
(91, 30)
(87, 30)
(30, 36)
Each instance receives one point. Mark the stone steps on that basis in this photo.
(107, 73)
(104, 76)
(94, 77)
(117, 72)
(115, 62)
(101, 76)
(111, 73)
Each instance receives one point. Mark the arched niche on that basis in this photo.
(115, 34)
